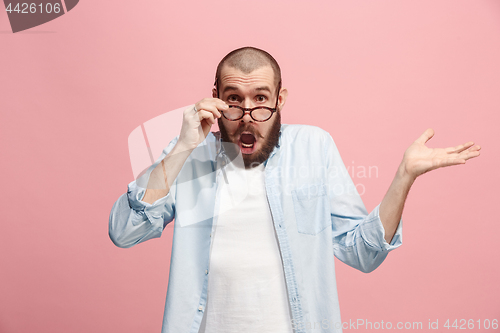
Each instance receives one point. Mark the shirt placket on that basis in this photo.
(273, 196)
(220, 175)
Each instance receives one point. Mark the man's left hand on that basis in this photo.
(419, 159)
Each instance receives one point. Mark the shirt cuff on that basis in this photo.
(373, 232)
(153, 212)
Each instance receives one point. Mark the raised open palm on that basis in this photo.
(419, 159)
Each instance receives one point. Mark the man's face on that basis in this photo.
(255, 140)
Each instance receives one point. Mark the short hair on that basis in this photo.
(247, 59)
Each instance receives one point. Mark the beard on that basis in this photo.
(257, 157)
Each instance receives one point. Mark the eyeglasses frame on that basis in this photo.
(250, 110)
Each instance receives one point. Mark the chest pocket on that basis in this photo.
(312, 208)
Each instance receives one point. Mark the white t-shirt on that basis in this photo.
(246, 284)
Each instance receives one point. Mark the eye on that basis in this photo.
(233, 98)
(261, 98)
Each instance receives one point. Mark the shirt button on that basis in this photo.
(200, 308)
(206, 272)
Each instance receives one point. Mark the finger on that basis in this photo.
(429, 133)
(475, 148)
(459, 148)
(211, 107)
(191, 111)
(220, 104)
(451, 161)
(459, 158)
(203, 114)
(469, 155)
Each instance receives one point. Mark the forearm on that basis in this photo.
(391, 207)
(163, 176)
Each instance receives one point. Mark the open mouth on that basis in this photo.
(247, 143)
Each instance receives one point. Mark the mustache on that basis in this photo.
(248, 128)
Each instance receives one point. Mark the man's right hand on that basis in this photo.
(197, 121)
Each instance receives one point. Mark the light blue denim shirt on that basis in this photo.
(316, 210)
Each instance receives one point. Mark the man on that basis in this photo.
(260, 210)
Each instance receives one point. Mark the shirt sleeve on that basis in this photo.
(358, 237)
(133, 221)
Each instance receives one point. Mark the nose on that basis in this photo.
(246, 117)
(247, 104)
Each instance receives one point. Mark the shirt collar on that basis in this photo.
(278, 146)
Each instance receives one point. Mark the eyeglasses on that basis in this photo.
(259, 114)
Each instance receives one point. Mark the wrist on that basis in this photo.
(404, 175)
(181, 146)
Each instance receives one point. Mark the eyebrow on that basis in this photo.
(263, 88)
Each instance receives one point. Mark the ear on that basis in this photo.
(214, 93)
(282, 98)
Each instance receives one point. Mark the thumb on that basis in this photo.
(426, 136)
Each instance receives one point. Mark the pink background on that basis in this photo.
(375, 74)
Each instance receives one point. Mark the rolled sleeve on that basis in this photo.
(358, 237)
(373, 232)
(133, 221)
(154, 212)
